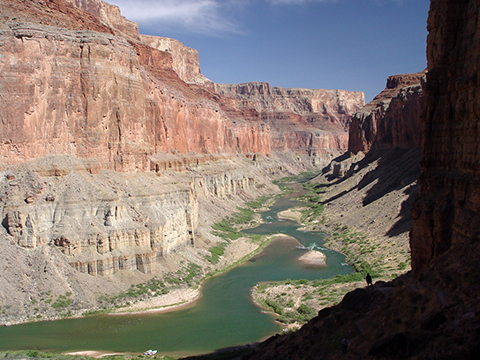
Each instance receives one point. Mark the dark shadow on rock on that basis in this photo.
(404, 222)
(396, 169)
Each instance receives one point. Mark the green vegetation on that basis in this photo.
(313, 197)
(258, 203)
(310, 296)
(62, 302)
(216, 252)
(152, 287)
(186, 275)
(229, 228)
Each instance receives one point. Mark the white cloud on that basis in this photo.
(211, 17)
(398, 2)
(298, 2)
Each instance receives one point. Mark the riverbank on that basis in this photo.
(174, 300)
(367, 223)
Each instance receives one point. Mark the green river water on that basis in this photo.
(224, 316)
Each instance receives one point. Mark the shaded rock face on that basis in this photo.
(446, 214)
(392, 118)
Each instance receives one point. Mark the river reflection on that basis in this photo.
(224, 316)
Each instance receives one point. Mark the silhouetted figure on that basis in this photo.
(345, 344)
(369, 280)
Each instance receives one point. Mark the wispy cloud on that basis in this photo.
(398, 2)
(298, 2)
(210, 17)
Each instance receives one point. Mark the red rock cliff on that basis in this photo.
(78, 80)
(447, 211)
(392, 118)
(92, 94)
(311, 122)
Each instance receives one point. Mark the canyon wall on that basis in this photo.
(186, 62)
(88, 85)
(88, 95)
(310, 122)
(89, 105)
(446, 214)
(108, 15)
(113, 221)
(392, 118)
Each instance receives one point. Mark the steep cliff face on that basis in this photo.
(446, 214)
(308, 121)
(185, 60)
(91, 95)
(110, 95)
(108, 15)
(392, 118)
(113, 221)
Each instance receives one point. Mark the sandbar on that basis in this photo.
(314, 257)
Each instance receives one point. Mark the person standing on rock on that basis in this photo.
(368, 278)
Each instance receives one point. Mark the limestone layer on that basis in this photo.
(113, 221)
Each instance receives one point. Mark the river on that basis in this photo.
(224, 316)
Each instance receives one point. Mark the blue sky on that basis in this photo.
(329, 44)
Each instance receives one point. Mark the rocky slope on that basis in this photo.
(392, 118)
(431, 312)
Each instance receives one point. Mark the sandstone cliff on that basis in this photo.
(94, 95)
(311, 122)
(392, 118)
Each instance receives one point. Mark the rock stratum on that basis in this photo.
(88, 85)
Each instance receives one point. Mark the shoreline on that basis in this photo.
(176, 300)
(93, 353)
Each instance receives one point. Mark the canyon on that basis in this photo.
(117, 155)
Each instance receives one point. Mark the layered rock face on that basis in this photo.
(108, 15)
(446, 214)
(113, 95)
(113, 221)
(311, 122)
(186, 62)
(392, 118)
(87, 95)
